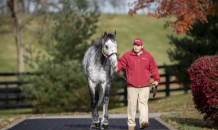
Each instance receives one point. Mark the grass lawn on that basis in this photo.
(176, 103)
(16, 111)
(149, 29)
(8, 119)
(178, 110)
(187, 121)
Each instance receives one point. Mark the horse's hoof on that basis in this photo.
(97, 125)
(105, 125)
(93, 127)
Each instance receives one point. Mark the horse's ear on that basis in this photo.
(115, 33)
(105, 34)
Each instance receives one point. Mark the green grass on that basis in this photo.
(178, 102)
(187, 121)
(178, 110)
(149, 29)
(175, 103)
(8, 119)
(16, 111)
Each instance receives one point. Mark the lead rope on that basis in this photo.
(126, 79)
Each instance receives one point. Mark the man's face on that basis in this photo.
(137, 48)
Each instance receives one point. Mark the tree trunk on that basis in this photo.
(18, 34)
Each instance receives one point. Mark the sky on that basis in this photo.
(106, 8)
(124, 8)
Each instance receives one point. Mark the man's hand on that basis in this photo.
(155, 83)
(116, 69)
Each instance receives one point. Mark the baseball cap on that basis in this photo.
(138, 41)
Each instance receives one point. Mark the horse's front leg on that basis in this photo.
(104, 121)
(93, 104)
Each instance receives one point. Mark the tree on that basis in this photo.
(70, 33)
(12, 22)
(186, 11)
(61, 85)
(200, 41)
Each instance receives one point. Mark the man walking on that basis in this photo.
(139, 64)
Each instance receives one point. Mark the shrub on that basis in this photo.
(59, 88)
(204, 84)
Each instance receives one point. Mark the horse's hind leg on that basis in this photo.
(104, 121)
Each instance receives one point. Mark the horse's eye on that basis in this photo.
(106, 46)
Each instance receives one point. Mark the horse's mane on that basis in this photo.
(99, 41)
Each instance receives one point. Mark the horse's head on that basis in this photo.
(109, 48)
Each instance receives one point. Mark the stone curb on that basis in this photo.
(13, 124)
(165, 123)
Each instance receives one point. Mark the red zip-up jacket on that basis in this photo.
(139, 68)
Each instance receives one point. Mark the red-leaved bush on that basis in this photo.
(204, 84)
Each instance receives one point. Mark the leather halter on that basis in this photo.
(103, 52)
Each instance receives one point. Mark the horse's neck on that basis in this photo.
(100, 59)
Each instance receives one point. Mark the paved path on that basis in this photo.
(116, 122)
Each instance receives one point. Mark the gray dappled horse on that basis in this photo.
(98, 65)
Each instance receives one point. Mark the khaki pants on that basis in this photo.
(142, 95)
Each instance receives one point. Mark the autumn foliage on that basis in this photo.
(204, 84)
(186, 11)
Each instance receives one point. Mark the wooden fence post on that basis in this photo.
(125, 96)
(12, 97)
(19, 94)
(167, 81)
(186, 86)
(6, 96)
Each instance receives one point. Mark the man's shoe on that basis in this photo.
(131, 128)
(144, 125)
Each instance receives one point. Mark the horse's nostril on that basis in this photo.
(114, 65)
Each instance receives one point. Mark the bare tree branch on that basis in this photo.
(2, 7)
(5, 31)
(44, 6)
(36, 7)
(28, 6)
(23, 6)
